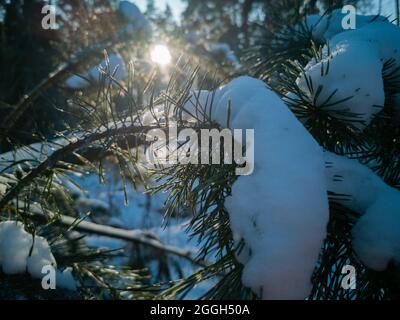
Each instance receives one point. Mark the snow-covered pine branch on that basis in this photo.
(335, 82)
(376, 235)
(263, 216)
(259, 209)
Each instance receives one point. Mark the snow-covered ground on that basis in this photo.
(144, 212)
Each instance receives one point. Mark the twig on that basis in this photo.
(137, 236)
(134, 235)
(397, 3)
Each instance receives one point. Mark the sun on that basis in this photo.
(160, 54)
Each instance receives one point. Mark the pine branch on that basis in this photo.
(64, 152)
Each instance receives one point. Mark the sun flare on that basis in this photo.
(160, 54)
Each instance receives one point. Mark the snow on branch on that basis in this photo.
(136, 236)
(281, 210)
(337, 84)
(376, 235)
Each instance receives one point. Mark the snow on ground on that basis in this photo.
(352, 63)
(18, 256)
(175, 235)
(94, 74)
(144, 212)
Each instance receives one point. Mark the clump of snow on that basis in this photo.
(21, 252)
(94, 74)
(281, 210)
(356, 88)
(349, 177)
(383, 36)
(41, 256)
(350, 71)
(3, 189)
(15, 244)
(325, 27)
(66, 280)
(4, 184)
(136, 20)
(376, 235)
